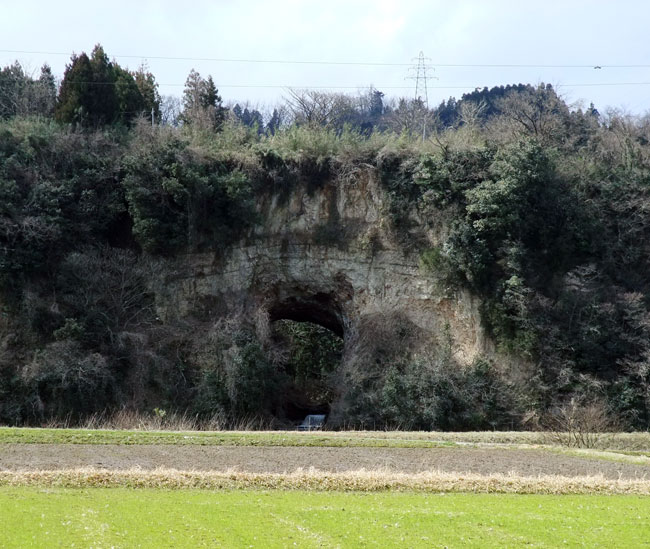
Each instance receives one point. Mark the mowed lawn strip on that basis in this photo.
(104, 517)
(630, 442)
(214, 438)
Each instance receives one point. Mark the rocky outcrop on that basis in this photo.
(323, 253)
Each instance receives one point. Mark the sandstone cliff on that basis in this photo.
(323, 253)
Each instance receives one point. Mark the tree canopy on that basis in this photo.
(95, 92)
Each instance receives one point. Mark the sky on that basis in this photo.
(469, 44)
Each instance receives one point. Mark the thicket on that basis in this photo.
(536, 230)
(545, 219)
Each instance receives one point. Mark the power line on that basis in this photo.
(605, 84)
(322, 87)
(357, 63)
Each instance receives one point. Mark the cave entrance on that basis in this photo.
(311, 354)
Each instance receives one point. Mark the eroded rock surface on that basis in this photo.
(325, 253)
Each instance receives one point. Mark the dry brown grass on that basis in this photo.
(160, 420)
(312, 479)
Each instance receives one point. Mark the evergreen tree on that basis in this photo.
(103, 101)
(274, 123)
(45, 96)
(254, 119)
(130, 102)
(13, 84)
(201, 103)
(73, 103)
(251, 118)
(192, 92)
(209, 94)
(593, 111)
(376, 105)
(148, 87)
(96, 92)
(22, 95)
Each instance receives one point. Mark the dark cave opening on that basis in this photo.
(308, 332)
(319, 308)
(311, 357)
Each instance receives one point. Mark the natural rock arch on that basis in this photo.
(325, 254)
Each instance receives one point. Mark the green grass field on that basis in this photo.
(220, 438)
(135, 508)
(628, 442)
(117, 517)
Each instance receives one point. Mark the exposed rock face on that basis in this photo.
(325, 254)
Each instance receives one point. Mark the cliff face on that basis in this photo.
(324, 253)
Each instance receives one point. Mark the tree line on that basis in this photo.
(97, 92)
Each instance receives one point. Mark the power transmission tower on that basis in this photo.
(421, 78)
(421, 87)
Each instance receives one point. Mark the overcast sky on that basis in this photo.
(471, 32)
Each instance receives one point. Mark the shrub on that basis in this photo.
(580, 423)
(58, 190)
(432, 393)
(65, 380)
(236, 375)
(183, 196)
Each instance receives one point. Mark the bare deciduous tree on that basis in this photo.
(539, 112)
(171, 108)
(320, 108)
(410, 117)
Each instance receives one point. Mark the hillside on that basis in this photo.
(481, 278)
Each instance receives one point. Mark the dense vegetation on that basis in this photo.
(546, 212)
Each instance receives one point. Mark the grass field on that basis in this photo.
(220, 438)
(627, 442)
(65, 506)
(119, 517)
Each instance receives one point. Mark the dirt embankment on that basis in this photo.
(531, 462)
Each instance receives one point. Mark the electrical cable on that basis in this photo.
(325, 87)
(354, 63)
